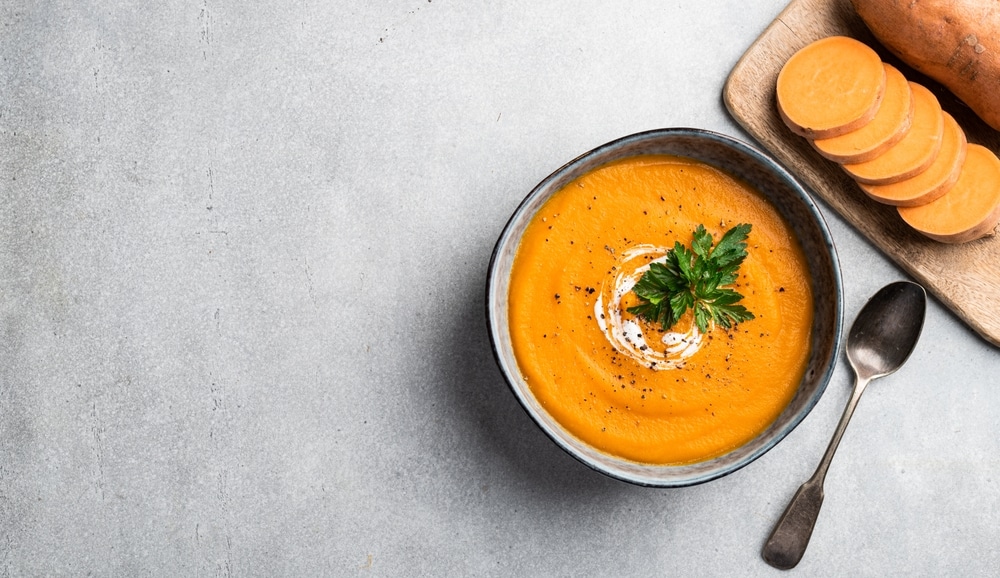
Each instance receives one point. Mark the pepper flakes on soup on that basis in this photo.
(623, 383)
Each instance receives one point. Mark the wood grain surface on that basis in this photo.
(965, 278)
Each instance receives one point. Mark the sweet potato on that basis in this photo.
(820, 96)
(887, 128)
(932, 183)
(941, 185)
(955, 42)
(970, 209)
(914, 153)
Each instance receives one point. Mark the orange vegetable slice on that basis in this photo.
(970, 209)
(914, 153)
(932, 183)
(830, 87)
(889, 126)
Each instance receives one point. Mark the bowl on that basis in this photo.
(791, 200)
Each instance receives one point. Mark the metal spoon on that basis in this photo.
(881, 339)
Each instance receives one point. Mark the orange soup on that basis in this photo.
(613, 380)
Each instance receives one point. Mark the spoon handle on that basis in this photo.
(787, 542)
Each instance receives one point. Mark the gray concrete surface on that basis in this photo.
(242, 256)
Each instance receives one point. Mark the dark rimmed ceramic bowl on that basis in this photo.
(798, 209)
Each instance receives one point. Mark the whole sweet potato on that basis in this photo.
(955, 42)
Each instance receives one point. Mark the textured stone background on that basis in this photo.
(242, 255)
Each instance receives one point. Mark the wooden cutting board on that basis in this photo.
(965, 278)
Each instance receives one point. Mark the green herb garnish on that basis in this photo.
(696, 278)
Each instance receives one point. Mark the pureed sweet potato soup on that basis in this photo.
(622, 383)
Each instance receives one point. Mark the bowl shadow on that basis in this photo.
(502, 433)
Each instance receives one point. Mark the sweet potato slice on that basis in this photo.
(887, 128)
(932, 183)
(970, 209)
(830, 87)
(914, 153)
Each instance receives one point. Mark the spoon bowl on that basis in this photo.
(883, 336)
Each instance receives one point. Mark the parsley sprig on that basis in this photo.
(696, 278)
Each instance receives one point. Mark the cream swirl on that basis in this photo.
(625, 331)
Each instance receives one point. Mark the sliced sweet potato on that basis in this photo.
(830, 87)
(970, 209)
(914, 152)
(932, 183)
(887, 128)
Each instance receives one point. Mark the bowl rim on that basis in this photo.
(512, 374)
